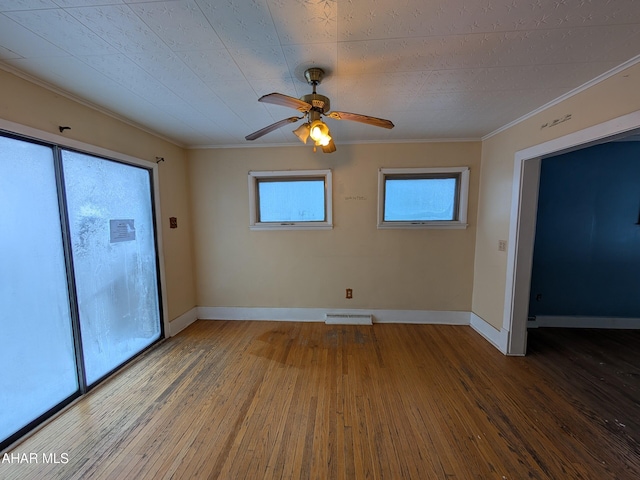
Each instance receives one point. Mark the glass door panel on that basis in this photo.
(114, 259)
(37, 351)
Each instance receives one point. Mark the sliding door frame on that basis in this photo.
(71, 295)
(57, 144)
(85, 386)
(71, 279)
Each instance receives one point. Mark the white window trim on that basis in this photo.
(463, 201)
(253, 212)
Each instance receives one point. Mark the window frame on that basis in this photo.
(254, 178)
(461, 200)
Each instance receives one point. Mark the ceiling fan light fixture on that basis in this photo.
(302, 132)
(324, 141)
(330, 148)
(319, 133)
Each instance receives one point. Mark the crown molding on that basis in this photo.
(364, 142)
(58, 91)
(600, 78)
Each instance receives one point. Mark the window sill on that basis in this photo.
(423, 225)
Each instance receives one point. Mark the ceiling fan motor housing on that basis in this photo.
(314, 75)
(319, 102)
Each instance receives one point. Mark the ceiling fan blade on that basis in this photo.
(285, 101)
(330, 148)
(272, 127)
(356, 117)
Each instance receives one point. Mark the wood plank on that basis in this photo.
(308, 400)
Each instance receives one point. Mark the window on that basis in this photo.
(423, 197)
(290, 200)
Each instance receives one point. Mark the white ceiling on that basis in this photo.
(193, 70)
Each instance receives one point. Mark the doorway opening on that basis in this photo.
(523, 217)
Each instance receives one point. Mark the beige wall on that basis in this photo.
(178, 244)
(387, 269)
(27, 104)
(614, 97)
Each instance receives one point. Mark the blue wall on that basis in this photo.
(586, 258)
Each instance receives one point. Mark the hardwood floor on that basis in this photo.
(250, 400)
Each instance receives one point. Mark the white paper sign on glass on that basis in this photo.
(122, 231)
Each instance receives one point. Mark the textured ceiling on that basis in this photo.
(193, 70)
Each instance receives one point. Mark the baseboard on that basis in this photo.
(497, 338)
(584, 322)
(319, 315)
(183, 321)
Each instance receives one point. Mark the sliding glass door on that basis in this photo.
(37, 351)
(114, 259)
(79, 290)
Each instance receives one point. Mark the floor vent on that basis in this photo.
(348, 319)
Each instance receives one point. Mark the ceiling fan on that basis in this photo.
(314, 106)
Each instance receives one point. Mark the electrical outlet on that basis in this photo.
(502, 245)
(349, 293)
